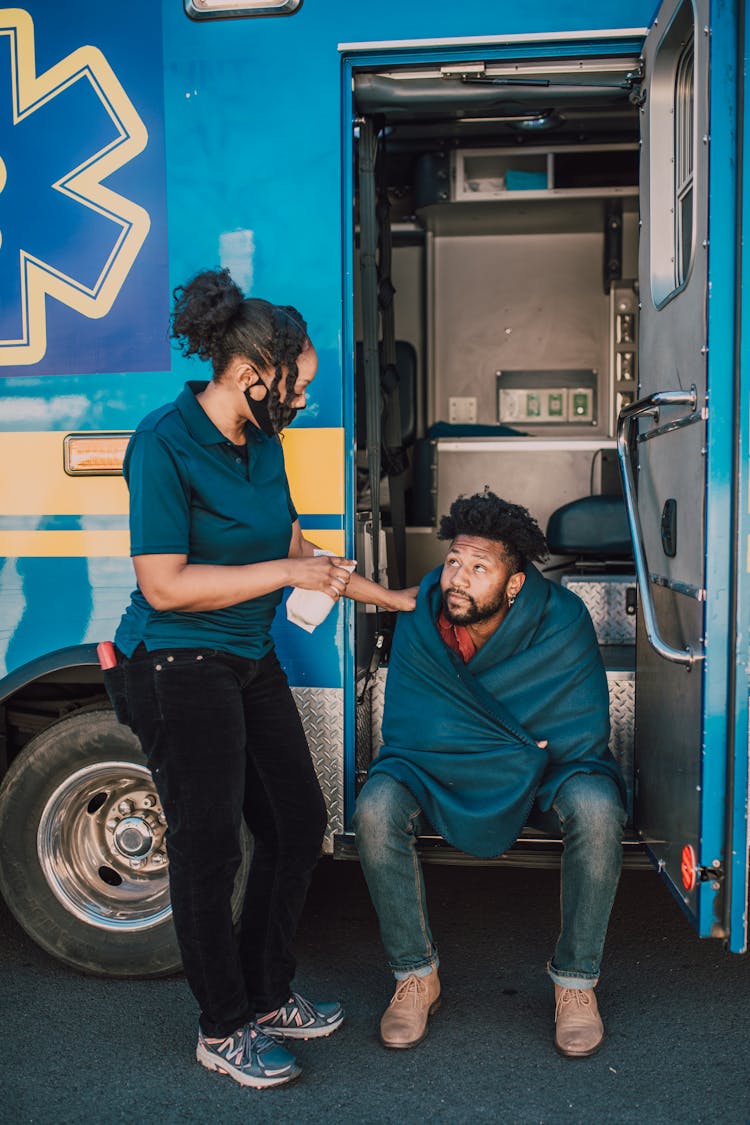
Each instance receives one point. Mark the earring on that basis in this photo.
(511, 599)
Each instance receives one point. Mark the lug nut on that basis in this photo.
(125, 807)
(136, 863)
(112, 824)
(158, 858)
(149, 801)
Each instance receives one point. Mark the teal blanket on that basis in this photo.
(463, 737)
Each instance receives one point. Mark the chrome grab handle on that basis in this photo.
(628, 417)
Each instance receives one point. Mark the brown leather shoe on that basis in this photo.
(579, 1030)
(404, 1022)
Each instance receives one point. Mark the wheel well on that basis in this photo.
(42, 701)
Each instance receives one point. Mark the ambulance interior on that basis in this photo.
(507, 195)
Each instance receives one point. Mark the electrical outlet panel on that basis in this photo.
(462, 410)
(545, 404)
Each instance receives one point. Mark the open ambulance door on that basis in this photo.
(680, 458)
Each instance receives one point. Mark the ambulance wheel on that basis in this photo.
(83, 866)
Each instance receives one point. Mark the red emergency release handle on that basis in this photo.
(689, 867)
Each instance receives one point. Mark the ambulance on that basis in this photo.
(517, 233)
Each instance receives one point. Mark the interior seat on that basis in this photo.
(594, 527)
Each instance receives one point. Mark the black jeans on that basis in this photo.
(223, 739)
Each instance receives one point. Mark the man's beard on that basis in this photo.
(470, 613)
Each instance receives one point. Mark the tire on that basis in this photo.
(82, 863)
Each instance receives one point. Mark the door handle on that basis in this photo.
(626, 422)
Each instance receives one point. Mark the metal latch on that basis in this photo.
(378, 650)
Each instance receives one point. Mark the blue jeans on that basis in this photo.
(224, 740)
(587, 810)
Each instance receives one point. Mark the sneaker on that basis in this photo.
(249, 1057)
(300, 1019)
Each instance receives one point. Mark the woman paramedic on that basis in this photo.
(215, 540)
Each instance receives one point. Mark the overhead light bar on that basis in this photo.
(218, 9)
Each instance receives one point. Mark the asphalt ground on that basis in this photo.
(80, 1049)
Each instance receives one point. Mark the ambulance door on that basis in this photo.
(675, 445)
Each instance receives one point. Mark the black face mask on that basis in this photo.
(270, 413)
(261, 413)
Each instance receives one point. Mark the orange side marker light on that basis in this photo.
(94, 454)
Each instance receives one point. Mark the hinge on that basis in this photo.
(476, 70)
(710, 874)
(634, 83)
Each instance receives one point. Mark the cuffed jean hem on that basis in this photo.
(571, 980)
(422, 969)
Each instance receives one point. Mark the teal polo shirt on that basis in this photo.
(194, 493)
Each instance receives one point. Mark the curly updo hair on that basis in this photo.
(215, 321)
(484, 514)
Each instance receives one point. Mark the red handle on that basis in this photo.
(105, 650)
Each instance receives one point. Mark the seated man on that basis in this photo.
(496, 699)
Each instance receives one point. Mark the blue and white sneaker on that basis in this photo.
(300, 1019)
(249, 1057)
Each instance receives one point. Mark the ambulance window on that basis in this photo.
(218, 9)
(683, 164)
(672, 158)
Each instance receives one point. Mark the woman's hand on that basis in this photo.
(370, 593)
(401, 601)
(327, 573)
(358, 588)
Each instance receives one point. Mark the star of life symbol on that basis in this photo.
(121, 226)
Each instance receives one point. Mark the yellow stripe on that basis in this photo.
(33, 481)
(64, 544)
(329, 540)
(315, 467)
(108, 544)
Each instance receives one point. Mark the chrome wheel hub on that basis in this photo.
(100, 843)
(133, 837)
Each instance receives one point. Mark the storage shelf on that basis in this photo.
(496, 173)
(518, 196)
(569, 210)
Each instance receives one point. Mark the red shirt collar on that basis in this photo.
(456, 637)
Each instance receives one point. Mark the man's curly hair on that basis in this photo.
(484, 514)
